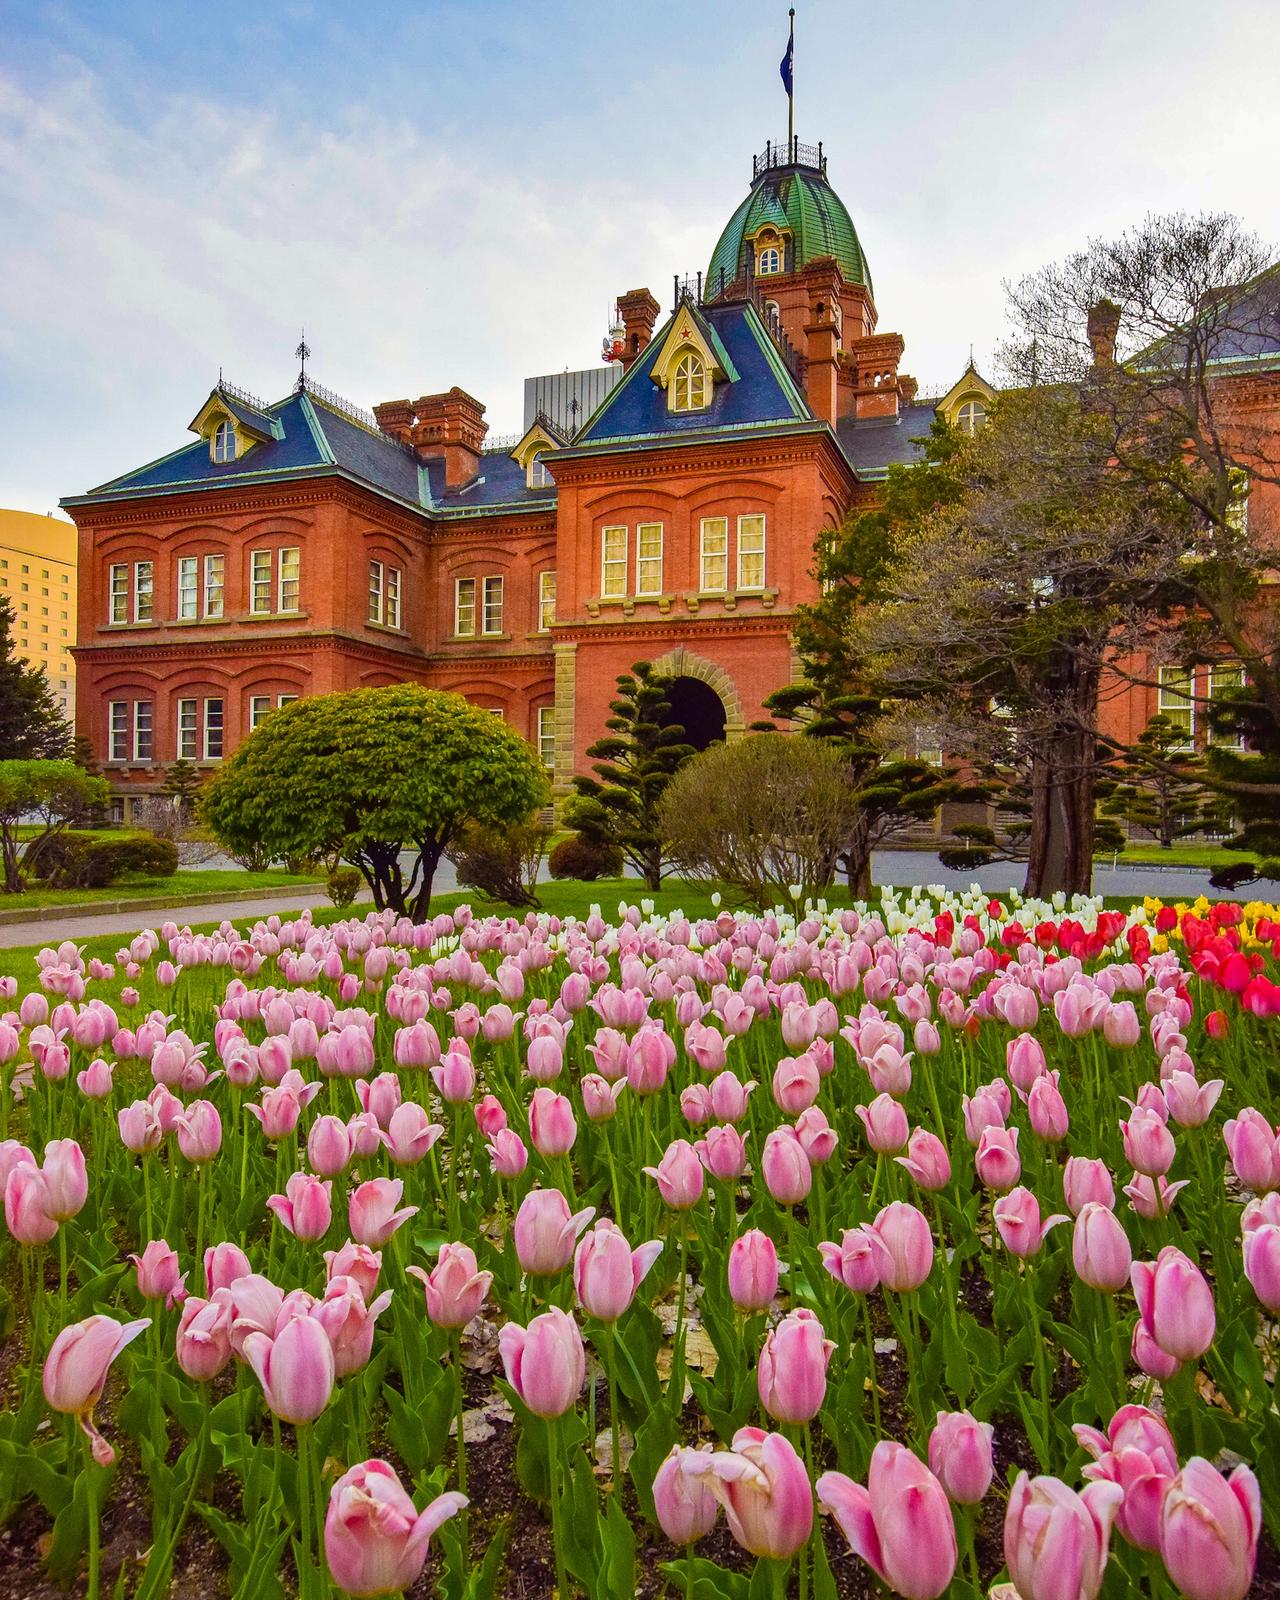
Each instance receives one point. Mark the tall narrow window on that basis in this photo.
(259, 705)
(224, 442)
(493, 605)
(1225, 675)
(188, 587)
(649, 558)
(751, 552)
(713, 577)
(539, 477)
(613, 562)
(290, 571)
(770, 260)
(118, 729)
(188, 724)
(142, 730)
(1237, 516)
(120, 592)
(375, 591)
(689, 385)
(213, 730)
(464, 608)
(546, 600)
(214, 578)
(1175, 699)
(143, 596)
(393, 597)
(547, 736)
(260, 582)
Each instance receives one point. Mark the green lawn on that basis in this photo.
(1180, 855)
(181, 884)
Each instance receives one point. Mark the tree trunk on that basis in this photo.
(429, 853)
(1062, 815)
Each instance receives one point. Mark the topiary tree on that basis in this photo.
(182, 786)
(633, 767)
(370, 775)
(1159, 789)
(54, 793)
(762, 816)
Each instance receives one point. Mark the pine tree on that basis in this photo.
(633, 767)
(182, 785)
(1159, 786)
(32, 727)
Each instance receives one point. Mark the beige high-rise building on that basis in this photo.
(38, 574)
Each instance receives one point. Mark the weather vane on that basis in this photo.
(303, 354)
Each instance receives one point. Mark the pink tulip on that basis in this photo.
(200, 1131)
(455, 1287)
(1190, 1103)
(764, 1489)
(1137, 1452)
(28, 1203)
(354, 1261)
(1017, 1219)
(1153, 1197)
(97, 1080)
(600, 1097)
(223, 1264)
(410, 1134)
(607, 1271)
(375, 1540)
(1175, 1304)
(609, 1052)
(296, 1369)
(723, 1152)
(679, 1176)
(203, 1342)
(886, 1124)
(960, 1456)
(796, 1081)
(860, 1261)
(140, 1128)
(1262, 1264)
(786, 1168)
(381, 1097)
(686, 1508)
(545, 1059)
(900, 1524)
(1209, 1528)
(1254, 1148)
(418, 1045)
(349, 1323)
(753, 1271)
(490, 1115)
(695, 1104)
(651, 1055)
(281, 1107)
(1100, 1249)
(455, 1078)
(982, 1110)
(1148, 1145)
(792, 1372)
(1024, 1061)
(1055, 1540)
(705, 1046)
(729, 1097)
(996, 1158)
(926, 1160)
(904, 1232)
(552, 1128)
(371, 1210)
(1120, 1026)
(1085, 1181)
(158, 1273)
(507, 1153)
(329, 1146)
(544, 1232)
(926, 1038)
(75, 1371)
(1148, 1357)
(1047, 1110)
(66, 1178)
(545, 1363)
(305, 1207)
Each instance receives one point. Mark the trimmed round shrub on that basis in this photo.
(578, 857)
(343, 885)
(95, 861)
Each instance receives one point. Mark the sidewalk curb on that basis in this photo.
(111, 908)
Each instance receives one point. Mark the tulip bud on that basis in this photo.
(544, 1232)
(786, 1168)
(913, 1551)
(158, 1272)
(375, 1540)
(1100, 1249)
(753, 1271)
(679, 1176)
(607, 1271)
(792, 1373)
(1209, 1528)
(1085, 1180)
(960, 1456)
(545, 1363)
(686, 1508)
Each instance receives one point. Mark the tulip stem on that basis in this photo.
(146, 1198)
(1042, 1374)
(615, 1426)
(871, 1357)
(677, 1353)
(553, 1484)
(95, 1558)
(460, 1405)
(305, 1585)
(62, 1274)
(778, 1577)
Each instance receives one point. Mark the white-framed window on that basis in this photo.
(260, 565)
(143, 591)
(1224, 675)
(285, 699)
(213, 730)
(770, 260)
(1175, 699)
(971, 416)
(119, 592)
(492, 619)
(224, 442)
(649, 558)
(188, 588)
(393, 597)
(259, 705)
(215, 570)
(118, 729)
(1237, 516)
(288, 586)
(384, 594)
(751, 552)
(613, 562)
(188, 729)
(545, 728)
(713, 555)
(375, 591)
(464, 608)
(546, 600)
(142, 730)
(689, 383)
(539, 477)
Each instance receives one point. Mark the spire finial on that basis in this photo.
(303, 354)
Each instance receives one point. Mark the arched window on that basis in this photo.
(971, 416)
(539, 477)
(689, 385)
(224, 442)
(770, 261)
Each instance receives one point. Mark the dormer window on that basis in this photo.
(689, 383)
(538, 476)
(971, 416)
(224, 442)
(770, 261)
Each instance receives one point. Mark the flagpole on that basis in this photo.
(791, 47)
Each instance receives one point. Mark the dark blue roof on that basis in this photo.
(499, 482)
(371, 457)
(877, 443)
(763, 391)
(1241, 329)
(248, 416)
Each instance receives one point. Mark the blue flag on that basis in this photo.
(785, 65)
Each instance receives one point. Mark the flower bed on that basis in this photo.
(932, 1244)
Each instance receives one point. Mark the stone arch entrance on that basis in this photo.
(684, 664)
(699, 710)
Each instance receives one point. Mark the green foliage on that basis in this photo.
(633, 764)
(95, 861)
(343, 885)
(182, 785)
(503, 863)
(584, 859)
(369, 774)
(57, 793)
(32, 727)
(1158, 788)
(1248, 780)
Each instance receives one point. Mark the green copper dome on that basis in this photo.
(799, 198)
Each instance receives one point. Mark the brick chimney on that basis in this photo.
(639, 312)
(449, 425)
(822, 362)
(1103, 328)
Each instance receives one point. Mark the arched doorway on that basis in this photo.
(699, 710)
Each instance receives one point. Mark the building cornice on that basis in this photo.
(673, 628)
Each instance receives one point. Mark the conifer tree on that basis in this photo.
(1158, 786)
(182, 784)
(32, 727)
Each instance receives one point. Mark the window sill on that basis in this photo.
(478, 638)
(730, 598)
(386, 627)
(127, 627)
(198, 622)
(627, 603)
(271, 616)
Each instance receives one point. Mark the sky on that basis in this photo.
(455, 193)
